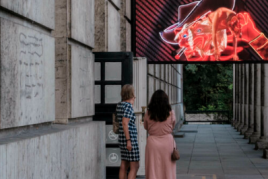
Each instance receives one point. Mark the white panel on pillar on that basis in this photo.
(140, 83)
(112, 94)
(150, 87)
(162, 85)
(162, 68)
(167, 73)
(157, 84)
(157, 71)
(113, 71)
(167, 89)
(151, 69)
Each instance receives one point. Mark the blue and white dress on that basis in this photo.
(125, 109)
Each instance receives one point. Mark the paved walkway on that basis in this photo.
(218, 152)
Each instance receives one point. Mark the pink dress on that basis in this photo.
(159, 147)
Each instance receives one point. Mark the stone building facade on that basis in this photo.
(47, 85)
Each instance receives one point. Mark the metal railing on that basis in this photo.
(213, 116)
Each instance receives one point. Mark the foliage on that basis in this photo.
(208, 87)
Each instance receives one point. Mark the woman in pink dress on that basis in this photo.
(159, 121)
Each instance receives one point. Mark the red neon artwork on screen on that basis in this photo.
(215, 35)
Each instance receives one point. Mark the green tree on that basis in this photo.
(208, 87)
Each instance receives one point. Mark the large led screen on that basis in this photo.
(185, 31)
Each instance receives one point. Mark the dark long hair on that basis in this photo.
(159, 107)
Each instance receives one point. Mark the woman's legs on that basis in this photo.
(134, 167)
(123, 169)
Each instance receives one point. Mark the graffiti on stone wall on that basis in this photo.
(31, 71)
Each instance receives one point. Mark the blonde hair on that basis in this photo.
(127, 92)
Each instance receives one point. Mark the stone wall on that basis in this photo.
(27, 76)
(168, 78)
(61, 151)
(41, 12)
(47, 77)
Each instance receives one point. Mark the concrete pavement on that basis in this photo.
(218, 152)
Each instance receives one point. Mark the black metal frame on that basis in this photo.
(103, 112)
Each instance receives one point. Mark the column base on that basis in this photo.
(265, 153)
(262, 143)
(254, 138)
(236, 125)
(248, 133)
(243, 130)
(240, 127)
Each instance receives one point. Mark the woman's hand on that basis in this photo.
(129, 147)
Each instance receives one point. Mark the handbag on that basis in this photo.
(175, 154)
(115, 124)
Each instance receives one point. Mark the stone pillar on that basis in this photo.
(74, 34)
(264, 110)
(236, 95)
(246, 97)
(108, 27)
(125, 24)
(234, 103)
(262, 142)
(250, 102)
(238, 82)
(257, 104)
(242, 99)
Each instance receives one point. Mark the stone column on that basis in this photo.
(251, 102)
(234, 103)
(264, 110)
(245, 96)
(263, 141)
(257, 102)
(242, 99)
(238, 95)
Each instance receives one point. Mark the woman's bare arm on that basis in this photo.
(125, 122)
(145, 124)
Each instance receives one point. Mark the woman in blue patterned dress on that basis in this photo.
(128, 142)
